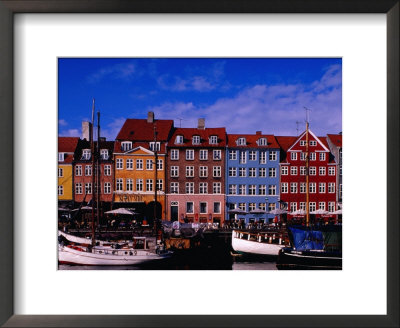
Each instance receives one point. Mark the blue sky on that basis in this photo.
(242, 94)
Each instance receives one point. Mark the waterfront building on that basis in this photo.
(196, 174)
(252, 176)
(335, 145)
(136, 146)
(66, 149)
(293, 171)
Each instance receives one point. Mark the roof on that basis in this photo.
(146, 145)
(336, 139)
(251, 140)
(84, 144)
(285, 142)
(67, 144)
(141, 130)
(204, 134)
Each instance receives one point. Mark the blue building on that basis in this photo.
(252, 177)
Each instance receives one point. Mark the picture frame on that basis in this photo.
(9, 8)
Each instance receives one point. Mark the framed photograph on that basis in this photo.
(41, 97)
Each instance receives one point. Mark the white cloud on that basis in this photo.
(112, 129)
(70, 133)
(62, 122)
(119, 71)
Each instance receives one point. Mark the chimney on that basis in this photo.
(86, 130)
(258, 133)
(201, 123)
(150, 117)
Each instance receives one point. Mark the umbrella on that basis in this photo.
(258, 211)
(336, 212)
(277, 211)
(320, 212)
(62, 209)
(299, 212)
(87, 208)
(121, 211)
(237, 211)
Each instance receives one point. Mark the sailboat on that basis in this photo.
(312, 247)
(79, 252)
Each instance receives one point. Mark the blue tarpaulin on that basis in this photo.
(306, 239)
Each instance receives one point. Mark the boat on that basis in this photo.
(261, 243)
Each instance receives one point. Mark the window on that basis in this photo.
(302, 142)
(217, 171)
(232, 171)
(303, 206)
(203, 207)
(179, 139)
(86, 154)
(129, 164)
(189, 207)
(60, 172)
(331, 170)
(284, 170)
(88, 170)
(196, 140)
(321, 188)
(322, 170)
(126, 145)
(293, 187)
(61, 157)
(139, 164)
(107, 170)
(139, 184)
(120, 163)
(216, 187)
(174, 171)
(203, 154)
(321, 206)
(313, 157)
(263, 157)
(217, 154)
(242, 206)
(189, 154)
(242, 159)
(78, 170)
(160, 184)
(119, 184)
(174, 188)
(149, 185)
(78, 188)
(203, 171)
(252, 172)
(252, 189)
(293, 170)
(303, 188)
(174, 154)
(107, 187)
(129, 185)
(272, 190)
(155, 146)
(271, 206)
(262, 172)
(262, 142)
(242, 189)
(217, 207)
(88, 188)
(104, 154)
(322, 156)
(262, 189)
(213, 140)
(284, 187)
(272, 155)
(252, 206)
(261, 206)
(331, 206)
(313, 187)
(203, 188)
(293, 156)
(189, 171)
(252, 155)
(232, 155)
(189, 187)
(331, 187)
(312, 206)
(303, 156)
(313, 170)
(160, 164)
(60, 190)
(272, 172)
(313, 143)
(232, 189)
(241, 142)
(242, 171)
(149, 164)
(293, 206)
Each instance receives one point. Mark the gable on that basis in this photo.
(311, 137)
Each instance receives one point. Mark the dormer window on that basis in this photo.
(61, 157)
(126, 145)
(86, 154)
(196, 140)
(104, 154)
(262, 142)
(155, 146)
(213, 140)
(179, 139)
(241, 141)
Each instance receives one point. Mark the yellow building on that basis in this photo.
(66, 149)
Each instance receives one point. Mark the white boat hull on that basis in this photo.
(101, 256)
(82, 240)
(254, 247)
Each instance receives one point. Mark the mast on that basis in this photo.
(98, 169)
(307, 173)
(155, 181)
(93, 178)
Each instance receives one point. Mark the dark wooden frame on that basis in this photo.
(7, 10)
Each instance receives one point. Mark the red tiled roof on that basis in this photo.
(336, 139)
(286, 142)
(204, 134)
(324, 142)
(251, 140)
(140, 130)
(67, 144)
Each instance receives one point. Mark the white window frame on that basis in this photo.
(322, 170)
(179, 139)
(272, 156)
(189, 154)
(303, 187)
(252, 172)
(160, 164)
(241, 170)
(126, 145)
(313, 187)
(331, 170)
(293, 188)
(217, 171)
(322, 187)
(272, 190)
(313, 156)
(189, 171)
(242, 189)
(189, 188)
(232, 172)
(60, 172)
(293, 170)
(174, 154)
(252, 155)
(272, 172)
(203, 154)
(78, 170)
(217, 187)
(174, 171)
(88, 170)
(119, 163)
(139, 184)
(203, 171)
(313, 170)
(313, 143)
(201, 210)
(262, 172)
(78, 188)
(284, 170)
(129, 164)
(241, 141)
(262, 190)
(192, 208)
(284, 187)
(213, 140)
(219, 208)
(60, 190)
(86, 154)
(217, 154)
(129, 185)
(233, 155)
(61, 157)
(331, 187)
(196, 140)
(252, 189)
(203, 188)
(293, 156)
(149, 185)
(232, 189)
(322, 156)
(149, 164)
(174, 188)
(119, 184)
(107, 188)
(88, 188)
(139, 164)
(104, 154)
(242, 157)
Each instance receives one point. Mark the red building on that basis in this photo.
(293, 172)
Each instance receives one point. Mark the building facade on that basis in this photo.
(196, 174)
(335, 145)
(252, 176)
(66, 149)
